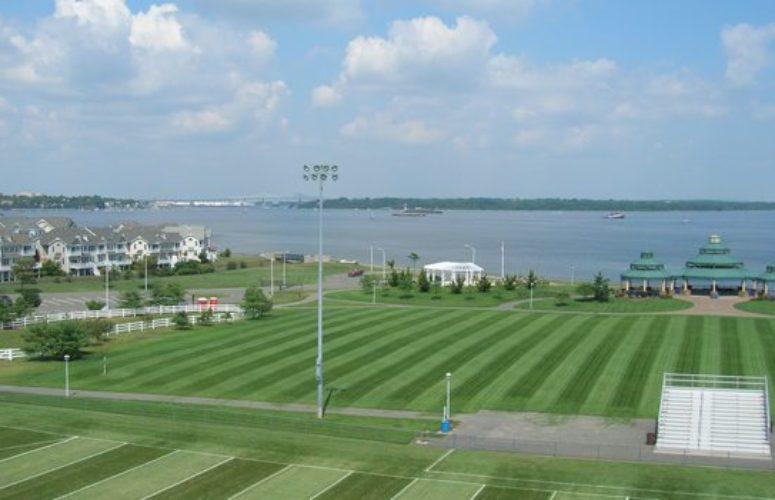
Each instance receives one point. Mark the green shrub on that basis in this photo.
(562, 299)
(95, 305)
(181, 321)
(231, 265)
(484, 284)
(54, 340)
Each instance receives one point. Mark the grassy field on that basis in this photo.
(238, 278)
(396, 358)
(615, 305)
(88, 449)
(469, 298)
(757, 306)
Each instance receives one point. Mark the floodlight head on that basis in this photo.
(314, 177)
(67, 357)
(306, 168)
(306, 177)
(323, 177)
(325, 168)
(316, 168)
(334, 168)
(334, 177)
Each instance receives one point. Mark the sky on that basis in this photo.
(442, 98)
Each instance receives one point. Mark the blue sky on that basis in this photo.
(530, 98)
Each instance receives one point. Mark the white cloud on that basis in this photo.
(384, 127)
(337, 12)
(262, 45)
(325, 96)
(746, 48)
(514, 72)
(157, 29)
(109, 14)
(511, 10)
(207, 121)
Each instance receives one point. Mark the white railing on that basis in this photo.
(11, 354)
(141, 326)
(120, 313)
(714, 381)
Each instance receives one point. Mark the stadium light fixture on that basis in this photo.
(320, 174)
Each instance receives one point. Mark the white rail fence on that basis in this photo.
(141, 326)
(119, 313)
(11, 354)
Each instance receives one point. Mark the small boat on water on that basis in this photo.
(416, 212)
(615, 215)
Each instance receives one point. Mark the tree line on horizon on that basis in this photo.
(569, 204)
(86, 202)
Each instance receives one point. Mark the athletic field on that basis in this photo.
(58, 448)
(396, 358)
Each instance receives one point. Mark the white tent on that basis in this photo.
(447, 272)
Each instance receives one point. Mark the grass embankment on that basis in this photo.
(757, 306)
(614, 305)
(258, 273)
(397, 358)
(336, 454)
(444, 298)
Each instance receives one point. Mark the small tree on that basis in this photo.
(394, 277)
(531, 281)
(391, 263)
(226, 253)
(130, 300)
(255, 303)
(602, 290)
(31, 296)
(562, 299)
(510, 282)
(586, 290)
(181, 321)
(414, 257)
(405, 283)
(231, 265)
(51, 268)
(456, 286)
(243, 264)
(167, 295)
(94, 305)
(24, 271)
(206, 318)
(367, 283)
(423, 284)
(96, 329)
(484, 284)
(203, 257)
(54, 340)
(6, 312)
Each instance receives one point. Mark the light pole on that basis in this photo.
(145, 260)
(320, 174)
(271, 276)
(473, 253)
(384, 263)
(371, 258)
(572, 274)
(449, 396)
(107, 283)
(67, 375)
(285, 283)
(503, 260)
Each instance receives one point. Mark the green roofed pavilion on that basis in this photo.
(646, 271)
(767, 277)
(713, 265)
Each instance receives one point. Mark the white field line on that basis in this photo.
(554, 494)
(38, 449)
(34, 443)
(439, 460)
(523, 488)
(192, 476)
(313, 497)
(62, 466)
(603, 486)
(401, 492)
(476, 493)
(260, 482)
(116, 475)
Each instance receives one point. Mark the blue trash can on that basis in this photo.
(446, 426)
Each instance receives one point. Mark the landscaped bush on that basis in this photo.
(484, 284)
(231, 265)
(94, 305)
(54, 340)
(562, 299)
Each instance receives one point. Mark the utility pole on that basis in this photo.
(371, 258)
(503, 260)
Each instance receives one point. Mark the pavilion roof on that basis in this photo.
(457, 267)
(646, 268)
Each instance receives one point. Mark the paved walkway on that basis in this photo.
(722, 306)
(234, 403)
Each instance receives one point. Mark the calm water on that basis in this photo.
(550, 242)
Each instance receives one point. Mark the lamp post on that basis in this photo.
(285, 283)
(384, 263)
(572, 274)
(271, 276)
(107, 283)
(449, 396)
(145, 260)
(473, 253)
(371, 259)
(320, 174)
(67, 375)
(503, 260)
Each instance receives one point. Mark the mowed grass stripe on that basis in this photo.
(156, 372)
(415, 387)
(406, 337)
(766, 334)
(366, 487)
(222, 481)
(498, 493)
(83, 473)
(576, 392)
(630, 389)
(731, 350)
(528, 384)
(251, 358)
(689, 357)
(282, 367)
(441, 340)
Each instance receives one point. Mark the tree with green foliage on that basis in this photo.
(54, 340)
(391, 263)
(231, 265)
(31, 296)
(562, 299)
(138, 266)
(203, 257)
(457, 285)
(96, 329)
(51, 268)
(531, 280)
(414, 257)
(255, 303)
(394, 278)
(131, 299)
(24, 271)
(586, 290)
(367, 283)
(226, 253)
(7, 313)
(95, 305)
(405, 284)
(181, 321)
(510, 282)
(206, 317)
(423, 283)
(21, 308)
(170, 294)
(602, 288)
(484, 284)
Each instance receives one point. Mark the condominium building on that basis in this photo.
(83, 251)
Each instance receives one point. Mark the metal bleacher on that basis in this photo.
(714, 415)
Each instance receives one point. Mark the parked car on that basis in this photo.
(355, 273)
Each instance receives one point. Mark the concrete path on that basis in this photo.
(234, 403)
(722, 306)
